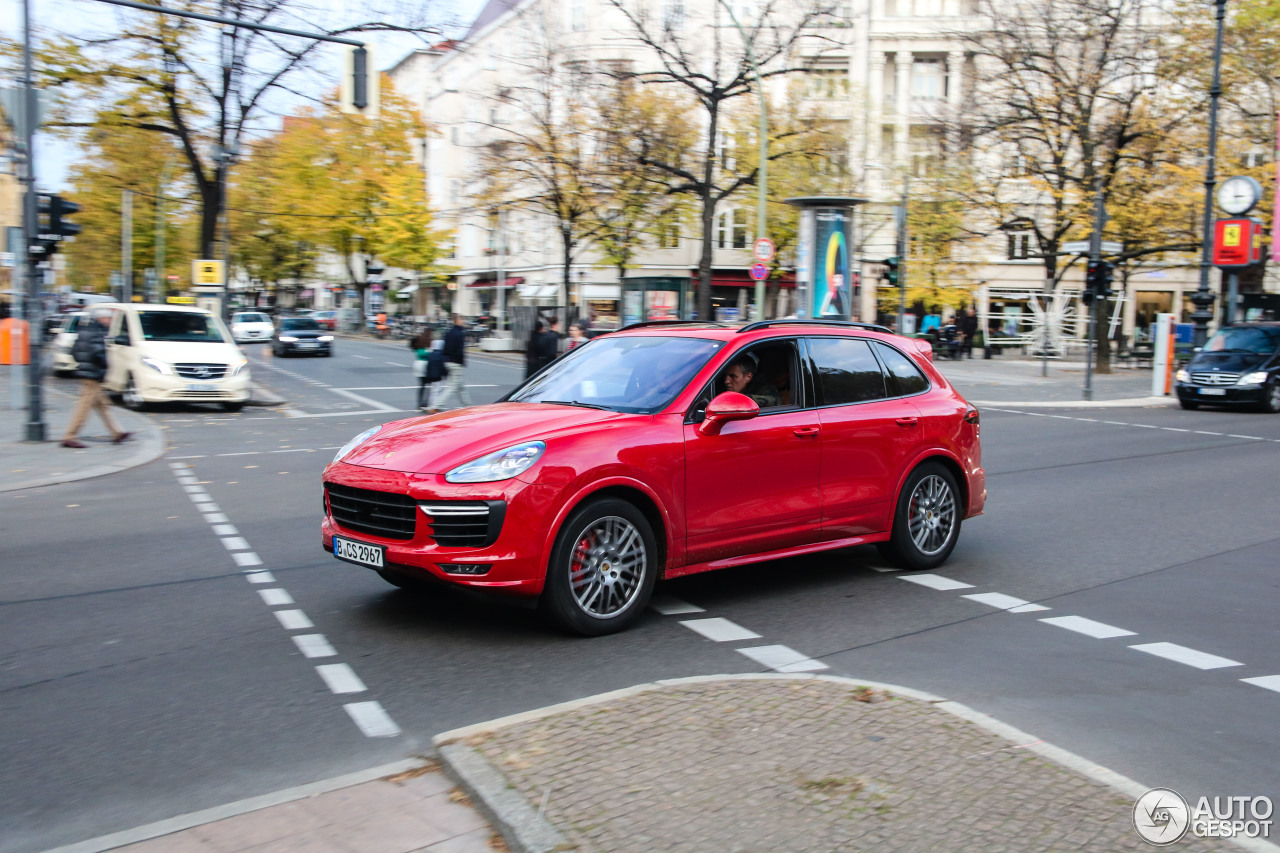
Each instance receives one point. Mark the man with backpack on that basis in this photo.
(454, 353)
(90, 353)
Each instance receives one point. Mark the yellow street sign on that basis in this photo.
(206, 272)
(181, 300)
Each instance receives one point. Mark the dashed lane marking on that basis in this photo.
(669, 606)
(998, 600)
(1128, 424)
(782, 659)
(720, 630)
(369, 717)
(937, 582)
(1190, 657)
(1269, 682)
(1088, 627)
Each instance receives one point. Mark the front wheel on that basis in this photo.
(131, 397)
(602, 569)
(1271, 397)
(232, 407)
(926, 524)
(1189, 405)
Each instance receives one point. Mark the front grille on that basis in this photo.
(385, 514)
(201, 371)
(201, 395)
(1214, 378)
(465, 524)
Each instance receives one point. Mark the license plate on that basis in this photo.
(373, 556)
(307, 345)
(1215, 392)
(197, 387)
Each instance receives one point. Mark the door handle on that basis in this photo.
(907, 422)
(805, 432)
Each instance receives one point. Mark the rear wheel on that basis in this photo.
(602, 569)
(926, 524)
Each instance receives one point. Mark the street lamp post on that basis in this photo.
(1203, 297)
(762, 175)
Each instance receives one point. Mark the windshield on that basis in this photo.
(299, 324)
(1262, 340)
(178, 326)
(639, 375)
(250, 318)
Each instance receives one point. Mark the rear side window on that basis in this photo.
(902, 377)
(847, 371)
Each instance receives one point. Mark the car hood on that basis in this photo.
(440, 443)
(1226, 362)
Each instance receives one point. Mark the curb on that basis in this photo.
(1129, 403)
(526, 831)
(149, 448)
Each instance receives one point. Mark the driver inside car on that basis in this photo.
(742, 377)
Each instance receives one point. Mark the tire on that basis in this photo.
(612, 546)
(1189, 405)
(1271, 398)
(232, 407)
(926, 523)
(130, 397)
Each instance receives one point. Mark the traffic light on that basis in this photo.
(53, 223)
(891, 270)
(1097, 281)
(358, 93)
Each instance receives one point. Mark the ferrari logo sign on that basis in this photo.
(206, 273)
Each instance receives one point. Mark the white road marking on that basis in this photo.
(720, 630)
(1088, 627)
(215, 517)
(293, 620)
(371, 719)
(295, 413)
(1029, 608)
(935, 582)
(193, 490)
(1182, 654)
(313, 645)
(383, 407)
(225, 530)
(1205, 432)
(235, 543)
(668, 606)
(260, 577)
(246, 558)
(782, 659)
(178, 466)
(998, 600)
(208, 506)
(1269, 682)
(1174, 429)
(1250, 437)
(275, 597)
(340, 678)
(398, 364)
(189, 481)
(365, 357)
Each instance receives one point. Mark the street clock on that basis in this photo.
(1238, 195)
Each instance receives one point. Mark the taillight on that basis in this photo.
(971, 416)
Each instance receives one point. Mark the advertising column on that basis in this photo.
(824, 257)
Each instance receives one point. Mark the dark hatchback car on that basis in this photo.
(1240, 365)
(301, 336)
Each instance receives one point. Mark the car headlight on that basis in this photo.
(356, 442)
(158, 366)
(501, 465)
(1255, 378)
(239, 366)
(1182, 375)
(325, 338)
(288, 339)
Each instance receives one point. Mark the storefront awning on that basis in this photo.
(406, 291)
(539, 291)
(506, 283)
(736, 278)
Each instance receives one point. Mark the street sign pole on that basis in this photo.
(1095, 255)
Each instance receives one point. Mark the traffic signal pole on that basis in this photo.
(35, 427)
(1095, 264)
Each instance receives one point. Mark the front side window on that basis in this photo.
(178, 326)
(846, 370)
(639, 375)
(902, 376)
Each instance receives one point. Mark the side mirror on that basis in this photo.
(725, 408)
(122, 340)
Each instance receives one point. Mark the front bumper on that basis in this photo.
(248, 336)
(303, 347)
(1220, 395)
(165, 388)
(516, 558)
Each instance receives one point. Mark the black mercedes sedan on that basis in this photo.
(301, 336)
(1240, 365)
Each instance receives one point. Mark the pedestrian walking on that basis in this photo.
(90, 353)
(421, 346)
(968, 324)
(548, 349)
(455, 355)
(577, 337)
(531, 348)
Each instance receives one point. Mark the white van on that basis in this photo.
(172, 353)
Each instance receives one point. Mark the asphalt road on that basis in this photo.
(143, 676)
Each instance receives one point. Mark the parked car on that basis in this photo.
(63, 340)
(174, 353)
(627, 461)
(301, 336)
(251, 326)
(1239, 365)
(327, 319)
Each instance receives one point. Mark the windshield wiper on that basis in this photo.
(576, 403)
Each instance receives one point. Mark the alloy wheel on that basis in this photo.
(932, 514)
(607, 567)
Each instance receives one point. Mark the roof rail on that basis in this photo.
(764, 324)
(650, 323)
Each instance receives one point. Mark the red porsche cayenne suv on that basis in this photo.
(661, 450)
